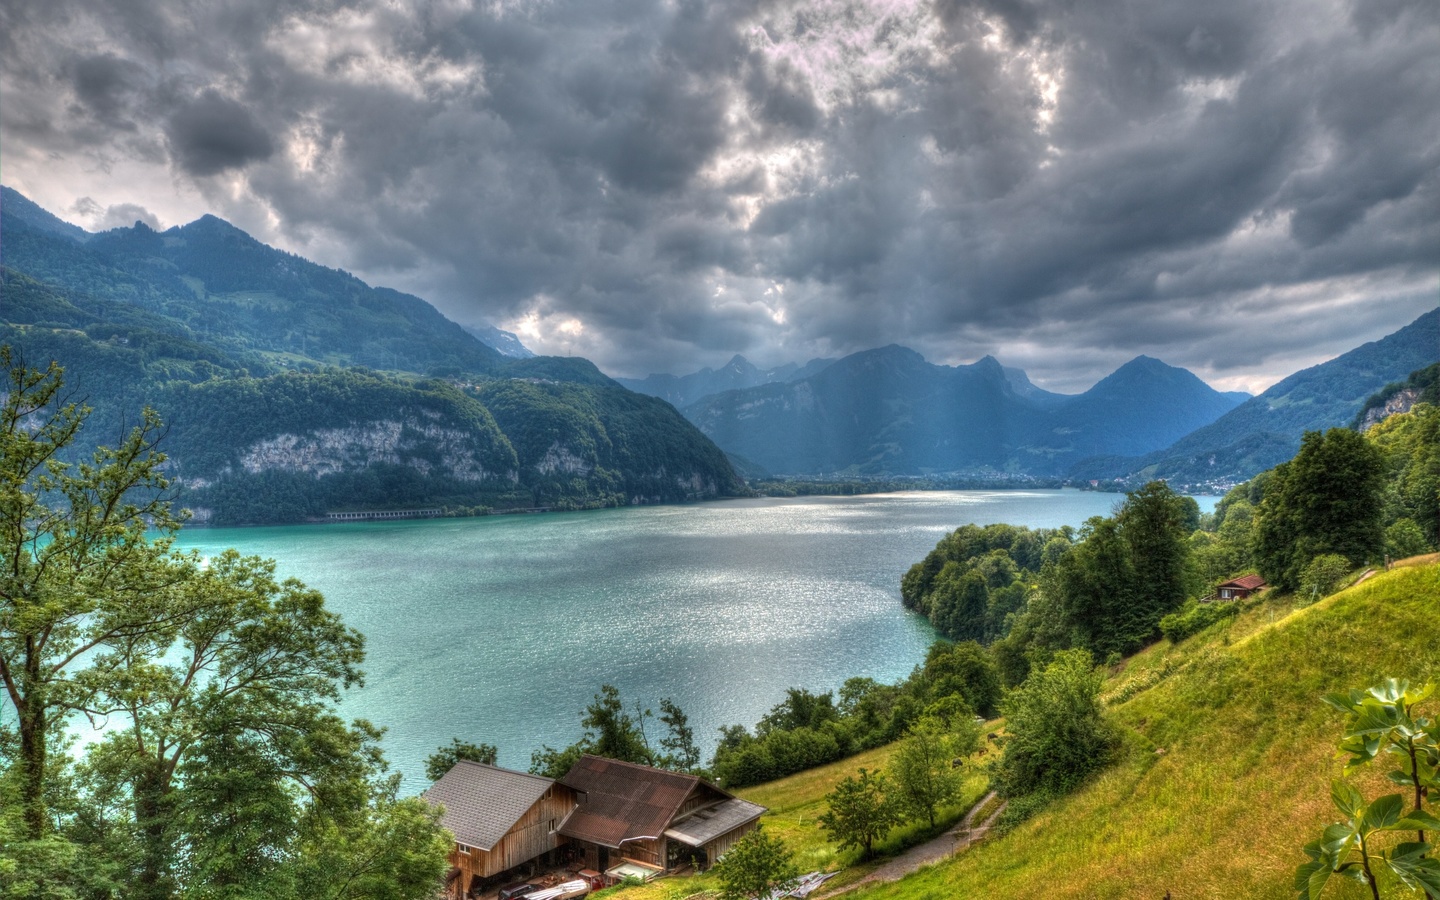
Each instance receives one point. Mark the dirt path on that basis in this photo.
(947, 844)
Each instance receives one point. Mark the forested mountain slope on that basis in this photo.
(1266, 430)
(292, 390)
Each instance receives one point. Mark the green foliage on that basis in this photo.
(613, 732)
(1193, 618)
(807, 730)
(1323, 575)
(925, 766)
(445, 758)
(965, 671)
(681, 753)
(1385, 719)
(860, 811)
(1056, 730)
(1382, 719)
(79, 568)
(977, 577)
(224, 756)
(1156, 523)
(1404, 538)
(1347, 848)
(1325, 500)
(1411, 446)
(756, 867)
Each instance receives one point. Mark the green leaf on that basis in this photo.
(1382, 814)
(1417, 872)
(1347, 799)
(1417, 820)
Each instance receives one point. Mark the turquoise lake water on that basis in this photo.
(501, 629)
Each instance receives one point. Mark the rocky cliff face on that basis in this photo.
(428, 447)
(1399, 402)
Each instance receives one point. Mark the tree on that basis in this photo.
(1325, 500)
(217, 682)
(758, 866)
(1156, 523)
(966, 670)
(248, 658)
(679, 744)
(860, 811)
(799, 709)
(611, 732)
(1056, 730)
(1096, 584)
(76, 565)
(445, 758)
(1403, 539)
(924, 766)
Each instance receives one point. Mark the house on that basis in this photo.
(501, 819)
(634, 819)
(1240, 588)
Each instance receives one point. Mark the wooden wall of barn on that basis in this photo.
(532, 836)
(718, 847)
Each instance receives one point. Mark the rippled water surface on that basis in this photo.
(500, 629)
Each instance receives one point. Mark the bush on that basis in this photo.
(1323, 575)
(1057, 732)
(1194, 617)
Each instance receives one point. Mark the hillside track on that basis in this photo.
(956, 840)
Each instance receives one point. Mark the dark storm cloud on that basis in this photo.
(659, 184)
(213, 133)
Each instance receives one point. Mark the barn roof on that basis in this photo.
(623, 801)
(704, 826)
(1246, 582)
(483, 802)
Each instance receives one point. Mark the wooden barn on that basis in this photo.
(500, 818)
(634, 817)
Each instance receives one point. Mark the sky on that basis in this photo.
(1240, 187)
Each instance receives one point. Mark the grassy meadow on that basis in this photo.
(1228, 759)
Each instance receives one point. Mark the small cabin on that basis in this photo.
(501, 819)
(638, 820)
(1240, 588)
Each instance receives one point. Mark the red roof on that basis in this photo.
(623, 801)
(1247, 583)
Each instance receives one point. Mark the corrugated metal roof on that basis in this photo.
(623, 801)
(705, 825)
(483, 802)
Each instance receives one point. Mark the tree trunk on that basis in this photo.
(32, 722)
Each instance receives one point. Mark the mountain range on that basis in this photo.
(889, 412)
(683, 390)
(290, 389)
(1266, 430)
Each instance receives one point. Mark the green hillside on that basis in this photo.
(1228, 758)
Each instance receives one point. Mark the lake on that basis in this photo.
(502, 628)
